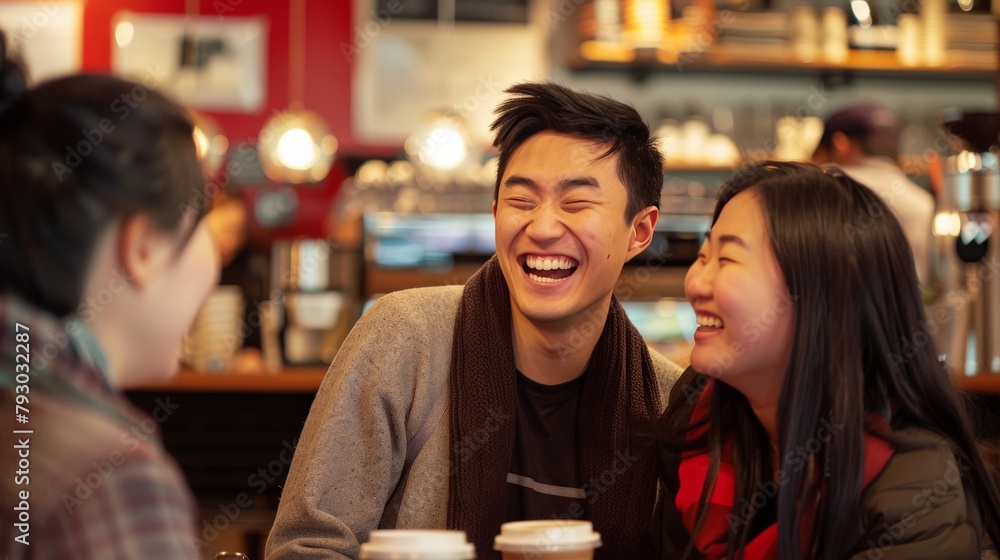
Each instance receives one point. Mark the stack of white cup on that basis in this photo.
(217, 333)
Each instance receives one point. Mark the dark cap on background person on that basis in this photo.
(873, 127)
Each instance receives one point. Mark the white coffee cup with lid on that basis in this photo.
(547, 540)
(411, 544)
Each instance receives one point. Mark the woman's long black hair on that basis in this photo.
(862, 344)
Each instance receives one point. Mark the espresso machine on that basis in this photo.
(317, 287)
(967, 255)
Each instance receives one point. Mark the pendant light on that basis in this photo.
(441, 144)
(441, 141)
(210, 143)
(295, 146)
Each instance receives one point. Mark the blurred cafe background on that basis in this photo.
(349, 156)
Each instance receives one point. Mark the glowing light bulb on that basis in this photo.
(443, 149)
(442, 143)
(296, 150)
(201, 142)
(296, 147)
(209, 143)
(863, 12)
(947, 224)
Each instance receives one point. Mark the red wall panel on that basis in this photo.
(328, 72)
(327, 88)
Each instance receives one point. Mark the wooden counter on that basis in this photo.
(308, 380)
(290, 380)
(982, 384)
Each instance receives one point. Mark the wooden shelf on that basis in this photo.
(290, 380)
(982, 384)
(721, 59)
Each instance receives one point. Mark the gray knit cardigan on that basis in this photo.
(378, 394)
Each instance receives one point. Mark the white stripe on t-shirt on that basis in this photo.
(548, 489)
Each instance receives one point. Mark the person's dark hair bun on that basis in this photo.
(13, 81)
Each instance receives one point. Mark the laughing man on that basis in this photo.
(524, 393)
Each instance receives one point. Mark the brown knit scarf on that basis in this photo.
(620, 400)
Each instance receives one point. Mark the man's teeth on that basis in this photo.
(543, 279)
(706, 321)
(550, 263)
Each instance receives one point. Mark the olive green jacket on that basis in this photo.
(917, 508)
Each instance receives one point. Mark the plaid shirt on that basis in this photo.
(100, 484)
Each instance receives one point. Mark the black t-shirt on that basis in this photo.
(544, 480)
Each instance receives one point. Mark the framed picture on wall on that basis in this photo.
(484, 11)
(410, 59)
(206, 62)
(46, 36)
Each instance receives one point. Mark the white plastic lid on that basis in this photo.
(546, 536)
(409, 544)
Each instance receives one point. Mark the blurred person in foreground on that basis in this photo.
(521, 395)
(810, 425)
(104, 262)
(863, 140)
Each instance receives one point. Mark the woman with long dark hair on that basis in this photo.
(816, 420)
(104, 263)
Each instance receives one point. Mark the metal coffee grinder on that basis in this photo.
(967, 257)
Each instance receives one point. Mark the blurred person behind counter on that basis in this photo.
(104, 263)
(863, 140)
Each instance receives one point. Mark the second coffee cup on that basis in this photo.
(408, 544)
(547, 540)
